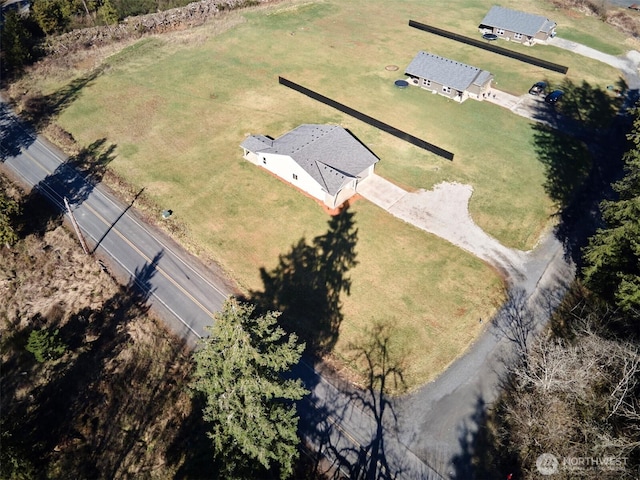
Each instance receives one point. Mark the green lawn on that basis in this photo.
(177, 108)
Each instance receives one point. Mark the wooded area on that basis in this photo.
(574, 392)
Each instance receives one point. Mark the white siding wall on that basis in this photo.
(252, 157)
(362, 175)
(284, 167)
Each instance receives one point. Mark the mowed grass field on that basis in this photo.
(178, 106)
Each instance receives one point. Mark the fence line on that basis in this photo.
(418, 142)
(492, 48)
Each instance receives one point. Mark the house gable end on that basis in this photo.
(319, 159)
(516, 21)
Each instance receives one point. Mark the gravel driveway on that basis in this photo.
(444, 211)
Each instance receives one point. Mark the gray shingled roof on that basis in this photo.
(328, 153)
(482, 78)
(515, 21)
(254, 143)
(446, 72)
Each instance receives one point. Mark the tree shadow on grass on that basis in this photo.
(39, 110)
(580, 141)
(305, 286)
(98, 411)
(19, 133)
(74, 179)
(308, 282)
(347, 429)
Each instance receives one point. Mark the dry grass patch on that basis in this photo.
(178, 109)
(113, 404)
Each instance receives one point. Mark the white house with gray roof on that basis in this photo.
(325, 161)
(448, 77)
(522, 27)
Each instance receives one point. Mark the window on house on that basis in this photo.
(517, 36)
(295, 177)
(264, 160)
(446, 89)
(500, 31)
(426, 83)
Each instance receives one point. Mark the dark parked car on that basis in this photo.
(554, 96)
(538, 88)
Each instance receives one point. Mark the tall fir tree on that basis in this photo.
(249, 404)
(613, 255)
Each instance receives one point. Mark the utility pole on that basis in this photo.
(76, 227)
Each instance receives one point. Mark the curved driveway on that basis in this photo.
(431, 431)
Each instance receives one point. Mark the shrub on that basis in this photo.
(45, 345)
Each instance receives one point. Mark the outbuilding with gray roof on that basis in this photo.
(325, 161)
(521, 27)
(448, 77)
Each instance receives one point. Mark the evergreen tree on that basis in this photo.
(613, 254)
(45, 345)
(108, 13)
(249, 404)
(16, 43)
(53, 16)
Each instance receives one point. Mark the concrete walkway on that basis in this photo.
(525, 105)
(444, 211)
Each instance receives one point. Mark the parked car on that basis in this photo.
(554, 96)
(538, 88)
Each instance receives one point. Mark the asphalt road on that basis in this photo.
(425, 435)
(178, 286)
(186, 294)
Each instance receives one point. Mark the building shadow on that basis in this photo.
(580, 141)
(74, 179)
(308, 282)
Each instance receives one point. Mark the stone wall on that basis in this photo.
(191, 15)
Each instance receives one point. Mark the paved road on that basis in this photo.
(178, 285)
(183, 291)
(425, 435)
